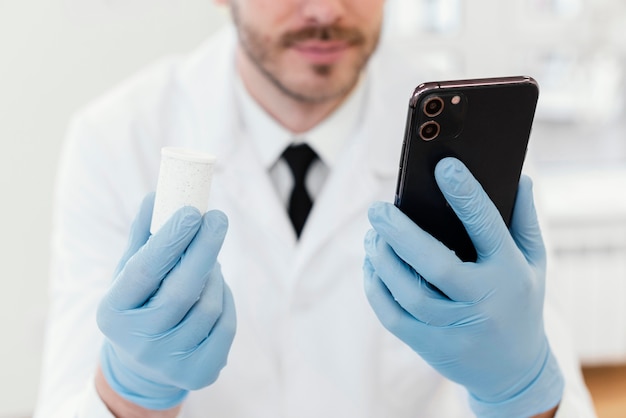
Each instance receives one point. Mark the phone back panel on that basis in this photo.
(484, 123)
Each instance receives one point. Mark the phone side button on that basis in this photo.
(399, 185)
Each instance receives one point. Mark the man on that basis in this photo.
(306, 340)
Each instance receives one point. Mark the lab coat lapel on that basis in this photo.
(248, 188)
(364, 173)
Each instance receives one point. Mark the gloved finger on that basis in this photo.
(203, 316)
(183, 285)
(393, 317)
(212, 352)
(140, 278)
(525, 228)
(416, 296)
(435, 262)
(481, 218)
(139, 231)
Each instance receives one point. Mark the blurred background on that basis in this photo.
(56, 55)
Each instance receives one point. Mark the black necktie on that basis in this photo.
(299, 158)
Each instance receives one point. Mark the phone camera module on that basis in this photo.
(433, 106)
(429, 130)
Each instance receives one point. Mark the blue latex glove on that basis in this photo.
(169, 318)
(479, 324)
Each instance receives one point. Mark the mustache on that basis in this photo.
(323, 33)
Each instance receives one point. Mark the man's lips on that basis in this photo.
(321, 52)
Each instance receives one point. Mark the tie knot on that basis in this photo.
(299, 158)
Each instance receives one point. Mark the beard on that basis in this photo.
(326, 81)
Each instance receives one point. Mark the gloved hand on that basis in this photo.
(479, 324)
(169, 318)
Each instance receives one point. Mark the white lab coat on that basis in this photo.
(307, 343)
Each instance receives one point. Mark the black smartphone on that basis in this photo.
(486, 124)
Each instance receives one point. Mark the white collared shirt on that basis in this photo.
(326, 139)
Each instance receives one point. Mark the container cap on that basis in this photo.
(188, 155)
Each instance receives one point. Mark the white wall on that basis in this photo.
(55, 55)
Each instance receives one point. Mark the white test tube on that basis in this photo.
(184, 180)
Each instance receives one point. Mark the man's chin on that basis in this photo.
(317, 95)
(320, 87)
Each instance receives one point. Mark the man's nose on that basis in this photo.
(323, 12)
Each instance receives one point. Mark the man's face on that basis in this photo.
(311, 50)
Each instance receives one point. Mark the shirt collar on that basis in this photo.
(327, 138)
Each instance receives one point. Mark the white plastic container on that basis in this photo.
(184, 180)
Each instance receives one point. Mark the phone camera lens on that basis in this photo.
(433, 106)
(429, 130)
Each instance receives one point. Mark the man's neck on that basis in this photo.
(294, 115)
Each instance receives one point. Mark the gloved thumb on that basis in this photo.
(472, 205)
(525, 228)
(139, 231)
